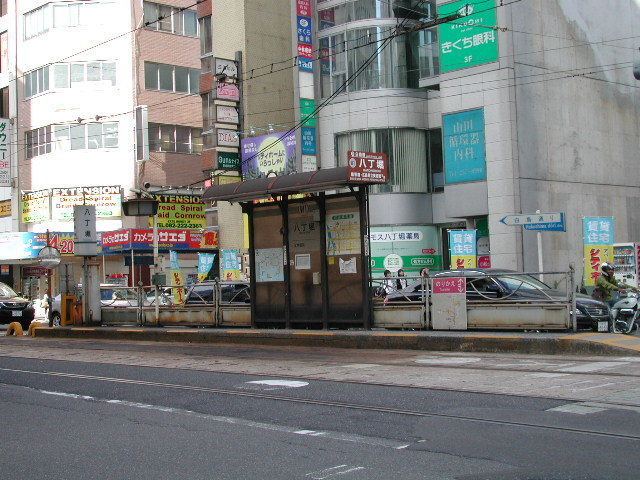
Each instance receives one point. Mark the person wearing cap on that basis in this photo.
(608, 285)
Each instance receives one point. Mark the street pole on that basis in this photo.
(50, 317)
(540, 263)
(155, 267)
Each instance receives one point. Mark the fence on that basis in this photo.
(500, 300)
(204, 304)
(496, 300)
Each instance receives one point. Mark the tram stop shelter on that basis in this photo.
(309, 243)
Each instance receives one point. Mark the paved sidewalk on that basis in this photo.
(501, 342)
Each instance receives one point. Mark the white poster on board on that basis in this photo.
(269, 265)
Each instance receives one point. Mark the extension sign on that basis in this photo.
(180, 211)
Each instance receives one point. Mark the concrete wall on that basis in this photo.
(578, 136)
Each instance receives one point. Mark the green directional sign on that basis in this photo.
(307, 107)
(470, 40)
(228, 161)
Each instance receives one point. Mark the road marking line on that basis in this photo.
(447, 360)
(591, 367)
(549, 375)
(333, 471)
(344, 437)
(360, 365)
(280, 383)
(606, 385)
(576, 408)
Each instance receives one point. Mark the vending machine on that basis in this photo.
(626, 258)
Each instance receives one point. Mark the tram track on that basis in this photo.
(316, 402)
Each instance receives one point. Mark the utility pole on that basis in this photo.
(50, 301)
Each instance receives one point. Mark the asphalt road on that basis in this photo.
(79, 420)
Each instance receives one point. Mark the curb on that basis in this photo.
(571, 344)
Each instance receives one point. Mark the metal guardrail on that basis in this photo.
(404, 302)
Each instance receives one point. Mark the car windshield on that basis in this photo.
(523, 282)
(6, 291)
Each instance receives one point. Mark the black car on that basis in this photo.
(202, 294)
(516, 287)
(14, 308)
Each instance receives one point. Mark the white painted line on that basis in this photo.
(446, 360)
(606, 385)
(344, 437)
(280, 383)
(360, 365)
(577, 409)
(591, 367)
(548, 375)
(333, 471)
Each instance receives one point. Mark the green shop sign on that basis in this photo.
(307, 107)
(470, 40)
(228, 161)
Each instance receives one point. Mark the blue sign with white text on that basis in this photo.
(308, 136)
(305, 64)
(548, 226)
(304, 30)
(464, 146)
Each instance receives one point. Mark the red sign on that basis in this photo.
(142, 239)
(227, 91)
(428, 251)
(449, 285)
(303, 8)
(484, 261)
(305, 50)
(368, 167)
(34, 272)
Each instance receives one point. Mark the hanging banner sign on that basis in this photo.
(598, 237)
(142, 239)
(462, 244)
(5, 165)
(230, 266)
(304, 30)
(303, 7)
(205, 263)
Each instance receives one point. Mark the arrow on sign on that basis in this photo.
(532, 219)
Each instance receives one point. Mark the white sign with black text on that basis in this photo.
(84, 228)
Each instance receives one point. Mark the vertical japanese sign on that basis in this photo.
(482, 242)
(176, 278)
(306, 91)
(5, 165)
(205, 262)
(598, 236)
(5, 208)
(470, 40)
(449, 303)
(462, 245)
(84, 229)
(231, 269)
(464, 146)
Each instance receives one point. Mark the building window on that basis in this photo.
(396, 66)
(65, 15)
(67, 75)
(71, 137)
(159, 76)
(436, 165)
(165, 18)
(407, 149)
(354, 10)
(4, 96)
(174, 138)
(206, 35)
(36, 81)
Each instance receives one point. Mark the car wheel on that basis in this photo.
(25, 325)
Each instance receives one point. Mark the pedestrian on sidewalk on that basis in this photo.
(401, 281)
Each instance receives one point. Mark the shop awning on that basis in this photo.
(308, 182)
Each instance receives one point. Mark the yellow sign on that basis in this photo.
(459, 262)
(594, 257)
(177, 280)
(35, 206)
(180, 211)
(5, 208)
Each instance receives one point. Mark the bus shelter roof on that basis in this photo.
(307, 182)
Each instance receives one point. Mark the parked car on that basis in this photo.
(14, 308)
(516, 287)
(202, 294)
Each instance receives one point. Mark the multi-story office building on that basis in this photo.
(78, 72)
(511, 108)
